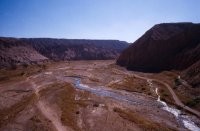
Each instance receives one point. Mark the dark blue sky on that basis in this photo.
(91, 19)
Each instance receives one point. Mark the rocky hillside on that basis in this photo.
(69, 49)
(164, 47)
(192, 75)
(14, 52)
(38, 50)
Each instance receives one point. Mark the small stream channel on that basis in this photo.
(184, 119)
(104, 92)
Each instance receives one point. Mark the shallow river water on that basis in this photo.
(184, 119)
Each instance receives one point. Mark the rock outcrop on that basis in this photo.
(165, 46)
(38, 50)
(192, 75)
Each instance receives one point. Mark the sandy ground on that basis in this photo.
(49, 100)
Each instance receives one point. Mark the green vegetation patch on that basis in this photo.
(193, 102)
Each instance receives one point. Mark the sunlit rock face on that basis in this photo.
(164, 47)
(39, 50)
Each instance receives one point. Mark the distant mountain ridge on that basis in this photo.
(37, 50)
(165, 46)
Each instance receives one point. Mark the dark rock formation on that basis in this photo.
(192, 75)
(36, 50)
(164, 47)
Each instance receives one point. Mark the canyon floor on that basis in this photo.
(93, 96)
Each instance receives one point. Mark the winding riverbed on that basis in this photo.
(103, 92)
(184, 119)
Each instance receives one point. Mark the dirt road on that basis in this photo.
(176, 99)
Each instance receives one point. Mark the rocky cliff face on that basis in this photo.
(37, 50)
(69, 49)
(164, 47)
(14, 52)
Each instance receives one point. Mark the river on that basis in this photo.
(184, 119)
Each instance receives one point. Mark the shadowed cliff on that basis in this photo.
(165, 46)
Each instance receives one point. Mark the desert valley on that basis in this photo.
(152, 84)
